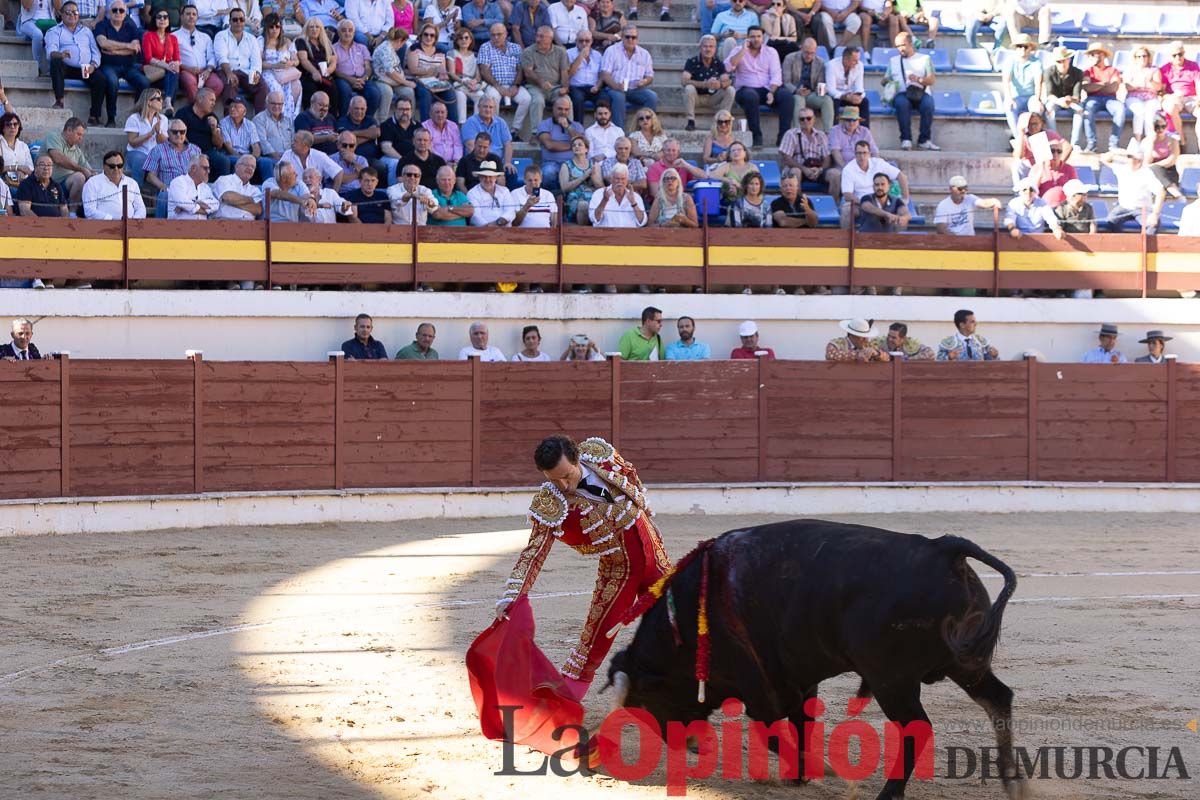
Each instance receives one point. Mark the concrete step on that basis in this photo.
(23, 67)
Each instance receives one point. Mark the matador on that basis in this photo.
(594, 502)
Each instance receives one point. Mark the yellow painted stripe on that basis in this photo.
(61, 249)
(1173, 262)
(197, 249)
(724, 256)
(1070, 261)
(947, 260)
(492, 253)
(340, 253)
(617, 256)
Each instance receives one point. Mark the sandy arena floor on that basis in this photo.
(327, 661)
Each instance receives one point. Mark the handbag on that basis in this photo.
(915, 94)
(436, 85)
(287, 75)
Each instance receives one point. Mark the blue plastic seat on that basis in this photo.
(877, 106)
(978, 104)
(917, 219)
(1145, 23)
(1064, 21)
(949, 104)
(940, 58)
(880, 57)
(770, 173)
(1189, 181)
(1169, 220)
(1123, 60)
(76, 83)
(972, 59)
(812, 187)
(1103, 22)
(1177, 22)
(950, 20)
(517, 181)
(1087, 176)
(1108, 180)
(1002, 58)
(827, 210)
(823, 53)
(1100, 210)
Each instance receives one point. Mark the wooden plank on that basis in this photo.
(36, 458)
(1055, 469)
(840, 447)
(960, 428)
(98, 481)
(28, 483)
(982, 449)
(1110, 449)
(278, 476)
(259, 456)
(828, 469)
(251, 415)
(964, 469)
(268, 435)
(1100, 411)
(436, 473)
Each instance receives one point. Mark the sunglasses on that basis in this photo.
(724, 122)
(1056, 150)
(108, 165)
(162, 16)
(237, 19)
(1029, 189)
(411, 175)
(12, 123)
(345, 146)
(117, 12)
(803, 118)
(180, 131)
(629, 36)
(958, 188)
(428, 35)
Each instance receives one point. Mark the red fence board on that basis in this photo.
(30, 454)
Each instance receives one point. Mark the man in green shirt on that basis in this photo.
(422, 347)
(642, 343)
(71, 167)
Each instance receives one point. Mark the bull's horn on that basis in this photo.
(621, 685)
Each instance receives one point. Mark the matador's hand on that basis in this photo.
(502, 608)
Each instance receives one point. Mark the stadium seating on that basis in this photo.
(1170, 215)
(949, 104)
(1189, 181)
(1177, 22)
(517, 181)
(1144, 23)
(918, 219)
(880, 57)
(939, 57)
(1108, 180)
(1100, 209)
(877, 106)
(827, 211)
(950, 20)
(1087, 176)
(770, 173)
(1062, 21)
(972, 60)
(1002, 58)
(986, 104)
(1102, 22)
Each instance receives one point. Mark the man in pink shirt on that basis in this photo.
(1179, 77)
(757, 78)
(447, 142)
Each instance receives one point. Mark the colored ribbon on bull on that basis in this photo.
(703, 644)
(648, 598)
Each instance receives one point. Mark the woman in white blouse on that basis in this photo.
(145, 128)
(531, 338)
(18, 163)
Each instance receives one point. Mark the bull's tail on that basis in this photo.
(973, 639)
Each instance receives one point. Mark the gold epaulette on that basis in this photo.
(549, 507)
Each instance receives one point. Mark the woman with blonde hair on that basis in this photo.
(647, 136)
(281, 65)
(317, 63)
(145, 129)
(719, 140)
(673, 207)
(1143, 85)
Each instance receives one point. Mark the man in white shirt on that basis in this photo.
(583, 71)
(402, 194)
(602, 135)
(1189, 220)
(102, 193)
(617, 206)
(912, 69)
(569, 19)
(479, 346)
(535, 207)
(1027, 13)
(838, 14)
(239, 199)
(302, 155)
(372, 20)
(956, 214)
(845, 82)
(197, 58)
(330, 204)
(859, 175)
(1137, 189)
(212, 14)
(189, 196)
(239, 56)
(492, 203)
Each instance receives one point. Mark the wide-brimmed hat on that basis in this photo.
(1151, 335)
(1074, 186)
(1023, 40)
(1099, 47)
(1062, 53)
(849, 112)
(858, 327)
(488, 167)
(747, 328)
(1108, 329)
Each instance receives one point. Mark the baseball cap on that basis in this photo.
(747, 328)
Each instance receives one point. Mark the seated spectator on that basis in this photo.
(366, 131)
(687, 348)
(281, 66)
(583, 73)
(317, 60)
(914, 74)
(409, 194)
(804, 76)
(454, 208)
(478, 16)
(1027, 213)
(751, 209)
(980, 14)
(372, 20)
(627, 72)
(197, 57)
(396, 136)
(120, 44)
(327, 12)
(204, 130)
(239, 57)
(329, 204)
(1137, 191)
(891, 20)
(491, 203)
(275, 130)
(965, 344)
(1189, 220)
(71, 166)
(568, 19)
(485, 120)
(189, 195)
(527, 16)
(578, 180)
(302, 157)
(73, 54)
(349, 161)
(544, 68)
(643, 342)
(899, 344)
(1179, 78)
(672, 206)
(445, 17)
(145, 129)
(720, 138)
(479, 347)
(602, 135)
(445, 138)
(22, 347)
(1162, 152)
(168, 161)
(239, 200)
(1143, 85)
(748, 333)
(500, 66)
(424, 158)
(805, 149)
(858, 179)
(956, 214)
(240, 135)
(370, 206)
(617, 206)
(364, 346)
(352, 75)
(912, 12)
(845, 78)
(1063, 87)
(879, 212)
(387, 67)
(1106, 352)
(779, 27)
(555, 135)
(1156, 345)
(465, 170)
(581, 348)
(1031, 125)
(846, 135)
(317, 120)
(531, 338)
(535, 207)
(1021, 83)
(623, 149)
(758, 79)
(648, 137)
(669, 158)
(160, 58)
(706, 83)
(835, 14)
(40, 195)
(1050, 176)
(288, 197)
(856, 345)
(421, 348)
(1101, 83)
(30, 23)
(1028, 14)
(732, 26)
(792, 209)
(102, 193)
(1075, 214)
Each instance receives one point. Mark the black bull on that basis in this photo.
(793, 603)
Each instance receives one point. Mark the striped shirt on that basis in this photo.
(168, 163)
(502, 64)
(240, 139)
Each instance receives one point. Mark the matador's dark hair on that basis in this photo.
(552, 449)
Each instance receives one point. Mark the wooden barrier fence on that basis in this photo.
(122, 427)
(124, 251)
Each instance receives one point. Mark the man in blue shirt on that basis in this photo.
(120, 44)
(687, 348)
(1106, 352)
(364, 346)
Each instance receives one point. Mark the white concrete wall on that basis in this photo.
(286, 325)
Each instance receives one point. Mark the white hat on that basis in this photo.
(1074, 186)
(858, 327)
(747, 328)
(1025, 183)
